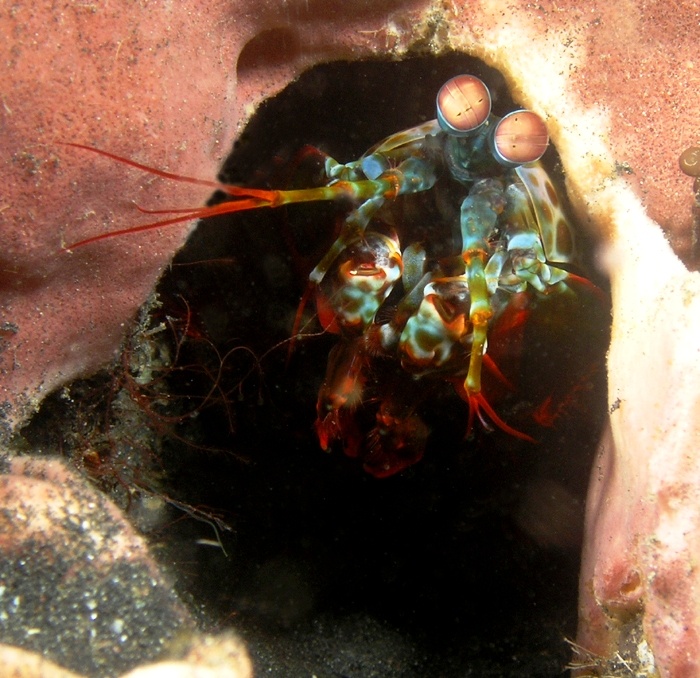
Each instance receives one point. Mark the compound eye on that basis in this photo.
(463, 105)
(520, 137)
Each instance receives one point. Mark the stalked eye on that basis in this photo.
(463, 105)
(520, 137)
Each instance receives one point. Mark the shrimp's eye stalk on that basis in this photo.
(463, 105)
(518, 138)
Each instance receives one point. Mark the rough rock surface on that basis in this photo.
(78, 584)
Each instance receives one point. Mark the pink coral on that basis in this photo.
(167, 86)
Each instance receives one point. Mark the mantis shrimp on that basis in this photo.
(417, 299)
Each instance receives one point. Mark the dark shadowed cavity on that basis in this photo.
(464, 564)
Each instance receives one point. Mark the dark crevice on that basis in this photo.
(464, 564)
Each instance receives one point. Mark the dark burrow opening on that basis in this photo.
(466, 563)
